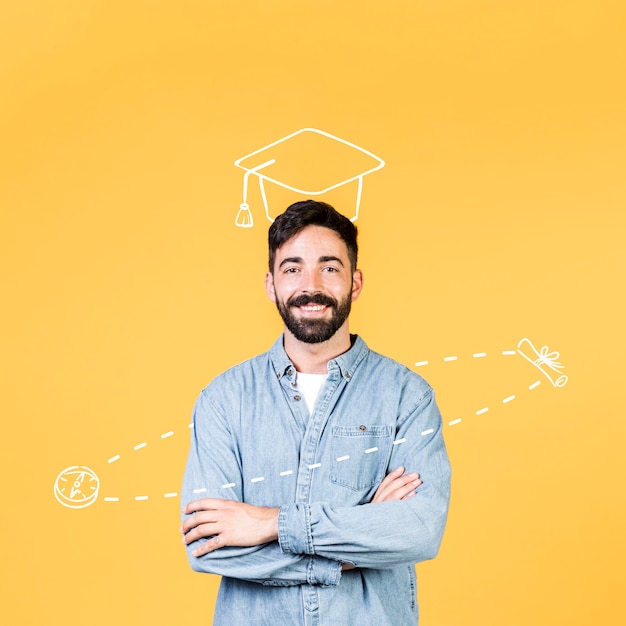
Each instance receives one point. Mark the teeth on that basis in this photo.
(316, 307)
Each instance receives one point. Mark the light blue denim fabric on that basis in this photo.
(254, 441)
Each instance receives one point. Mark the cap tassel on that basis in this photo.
(244, 215)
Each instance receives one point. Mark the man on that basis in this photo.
(301, 488)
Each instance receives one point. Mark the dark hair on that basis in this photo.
(311, 213)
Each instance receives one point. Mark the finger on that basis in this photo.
(387, 483)
(408, 483)
(198, 519)
(412, 489)
(200, 532)
(204, 504)
(208, 546)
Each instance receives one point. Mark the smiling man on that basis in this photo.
(317, 475)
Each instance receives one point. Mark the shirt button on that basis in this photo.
(290, 372)
(297, 398)
(362, 427)
(347, 375)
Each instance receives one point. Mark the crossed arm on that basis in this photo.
(234, 523)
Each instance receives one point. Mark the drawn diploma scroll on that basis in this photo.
(543, 360)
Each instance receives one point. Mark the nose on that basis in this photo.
(312, 282)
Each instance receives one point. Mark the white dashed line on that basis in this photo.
(338, 459)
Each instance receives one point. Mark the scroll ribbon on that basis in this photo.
(543, 360)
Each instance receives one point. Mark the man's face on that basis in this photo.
(313, 284)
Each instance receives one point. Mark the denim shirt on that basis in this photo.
(253, 441)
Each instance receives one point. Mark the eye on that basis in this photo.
(330, 268)
(290, 270)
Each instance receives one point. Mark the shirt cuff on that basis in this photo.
(294, 529)
(294, 536)
(323, 571)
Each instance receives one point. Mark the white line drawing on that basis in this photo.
(544, 360)
(76, 487)
(298, 150)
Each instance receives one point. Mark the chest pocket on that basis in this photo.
(360, 455)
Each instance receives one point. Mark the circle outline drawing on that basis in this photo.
(82, 473)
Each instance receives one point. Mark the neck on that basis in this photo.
(312, 358)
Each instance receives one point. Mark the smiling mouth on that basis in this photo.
(312, 308)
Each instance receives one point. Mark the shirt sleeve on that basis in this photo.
(212, 458)
(384, 534)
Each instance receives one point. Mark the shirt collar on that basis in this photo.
(346, 363)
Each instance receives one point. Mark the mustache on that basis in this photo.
(315, 298)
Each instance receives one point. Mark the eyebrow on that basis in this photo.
(298, 259)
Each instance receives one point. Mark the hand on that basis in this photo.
(228, 523)
(397, 486)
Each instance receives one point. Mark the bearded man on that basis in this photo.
(317, 476)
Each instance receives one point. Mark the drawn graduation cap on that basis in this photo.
(309, 162)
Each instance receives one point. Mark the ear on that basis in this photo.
(357, 284)
(269, 287)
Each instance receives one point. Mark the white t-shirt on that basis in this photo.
(309, 385)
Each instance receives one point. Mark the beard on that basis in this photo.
(314, 330)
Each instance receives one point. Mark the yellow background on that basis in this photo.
(126, 286)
